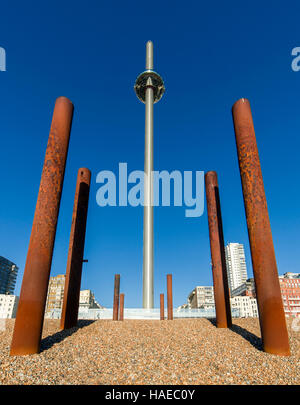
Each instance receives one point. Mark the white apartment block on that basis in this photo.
(246, 305)
(202, 297)
(87, 300)
(235, 264)
(8, 306)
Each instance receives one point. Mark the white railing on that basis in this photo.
(140, 313)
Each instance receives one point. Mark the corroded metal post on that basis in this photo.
(30, 315)
(116, 297)
(169, 297)
(162, 307)
(70, 307)
(271, 314)
(221, 290)
(121, 316)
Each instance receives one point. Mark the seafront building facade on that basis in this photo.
(87, 300)
(55, 297)
(202, 297)
(290, 291)
(247, 306)
(8, 276)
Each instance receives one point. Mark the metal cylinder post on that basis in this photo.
(221, 290)
(162, 307)
(271, 313)
(169, 297)
(148, 291)
(30, 315)
(149, 55)
(116, 297)
(70, 307)
(121, 316)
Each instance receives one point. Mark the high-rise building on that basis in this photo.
(235, 264)
(8, 276)
(8, 306)
(202, 297)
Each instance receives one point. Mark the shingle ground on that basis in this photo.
(183, 351)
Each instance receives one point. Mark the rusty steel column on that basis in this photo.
(121, 316)
(116, 297)
(70, 307)
(30, 315)
(271, 314)
(162, 307)
(221, 290)
(169, 297)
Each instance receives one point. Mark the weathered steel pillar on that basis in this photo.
(169, 297)
(30, 315)
(221, 290)
(271, 314)
(162, 307)
(70, 307)
(116, 297)
(121, 315)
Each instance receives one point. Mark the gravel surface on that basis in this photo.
(183, 351)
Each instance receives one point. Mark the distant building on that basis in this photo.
(243, 298)
(290, 291)
(290, 275)
(8, 305)
(202, 297)
(235, 264)
(55, 296)
(183, 306)
(8, 276)
(87, 300)
(245, 289)
(246, 305)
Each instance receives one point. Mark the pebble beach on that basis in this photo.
(133, 352)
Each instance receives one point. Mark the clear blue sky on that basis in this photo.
(210, 54)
